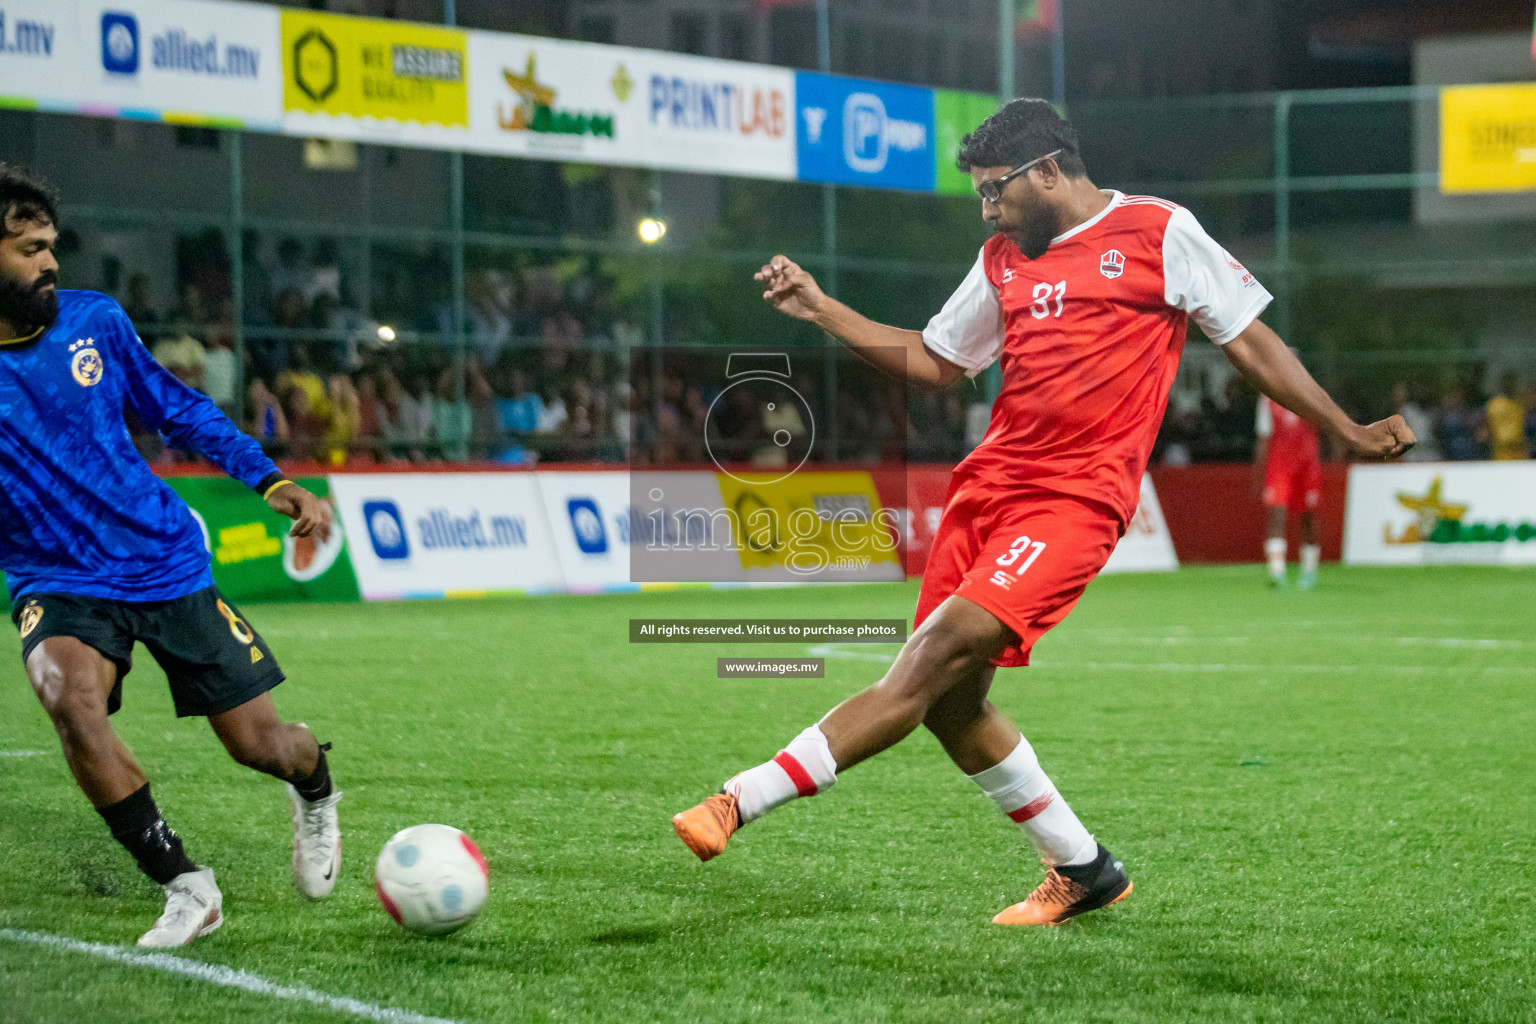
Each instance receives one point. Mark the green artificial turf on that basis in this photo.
(1325, 800)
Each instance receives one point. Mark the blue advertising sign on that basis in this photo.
(851, 131)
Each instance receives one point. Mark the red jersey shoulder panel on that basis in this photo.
(994, 258)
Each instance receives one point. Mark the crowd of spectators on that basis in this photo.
(546, 375)
(1458, 428)
(1455, 424)
(540, 377)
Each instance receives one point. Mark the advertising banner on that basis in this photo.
(553, 99)
(316, 74)
(917, 510)
(550, 99)
(715, 116)
(42, 57)
(1147, 545)
(824, 527)
(800, 527)
(372, 79)
(590, 519)
(1488, 138)
(447, 534)
(1435, 513)
(253, 557)
(956, 115)
(186, 61)
(850, 131)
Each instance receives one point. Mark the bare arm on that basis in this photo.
(1260, 355)
(898, 352)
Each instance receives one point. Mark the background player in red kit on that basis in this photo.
(1286, 453)
(1084, 295)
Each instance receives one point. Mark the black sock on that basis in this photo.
(1087, 874)
(136, 823)
(318, 785)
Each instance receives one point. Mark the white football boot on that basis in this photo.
(316, 844)
(193, 908)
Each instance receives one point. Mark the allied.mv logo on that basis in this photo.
(587, 525)
(386, 529)
(86, 362)
(119, 43)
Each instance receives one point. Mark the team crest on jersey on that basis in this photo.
(1112, 264)
(31, 615)
(1248, 279)
(86, 364)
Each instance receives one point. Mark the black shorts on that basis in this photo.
(213, 658)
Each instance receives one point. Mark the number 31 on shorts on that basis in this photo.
(1022, 547)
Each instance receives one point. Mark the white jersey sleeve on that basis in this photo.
(1202, 278)
(1263, 422)
(968, 331)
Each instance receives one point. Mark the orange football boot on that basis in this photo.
(706, 828)
(1069, 891)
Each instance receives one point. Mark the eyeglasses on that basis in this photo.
(992, 189)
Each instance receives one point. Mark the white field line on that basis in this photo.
(1178, 637)
(22, 753)
(217, 974)
(840, 651)
(1179, 666)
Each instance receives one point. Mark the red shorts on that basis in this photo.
(1025, 560)
(1295, 483)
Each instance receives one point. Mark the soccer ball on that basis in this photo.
(431, 879)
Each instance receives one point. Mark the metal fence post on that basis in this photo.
(237, 264)
(456, 211)
(828, 237)
(1283, 214)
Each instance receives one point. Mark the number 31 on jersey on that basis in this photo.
(1022, 547)
(1044, 292)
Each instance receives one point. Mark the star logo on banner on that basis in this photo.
(1431, 510)
(622, 84)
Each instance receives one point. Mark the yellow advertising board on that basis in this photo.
(366, 67)
(1488, 138)
(809, 522)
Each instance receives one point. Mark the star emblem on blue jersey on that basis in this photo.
(86, 364)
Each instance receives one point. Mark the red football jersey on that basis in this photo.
(1090, 336)
(1291, 439)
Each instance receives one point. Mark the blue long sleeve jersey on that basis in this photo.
(80, 511)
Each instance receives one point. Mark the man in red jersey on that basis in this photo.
(1084, 295)
(1286, 453)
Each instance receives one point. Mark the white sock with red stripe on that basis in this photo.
(1022, 791)
(804, 768)
(1311, 554)
(1274, 554)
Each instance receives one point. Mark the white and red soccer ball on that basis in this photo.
(431, 879)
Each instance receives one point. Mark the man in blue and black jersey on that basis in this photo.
(99, 553)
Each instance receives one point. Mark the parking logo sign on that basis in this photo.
(386, 530)
(120, 43)
(587, 525)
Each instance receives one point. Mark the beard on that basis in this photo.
(1033, 239)
(33, 306)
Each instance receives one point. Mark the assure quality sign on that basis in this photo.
(1435, 513)
(446, 534)
(372, 79)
